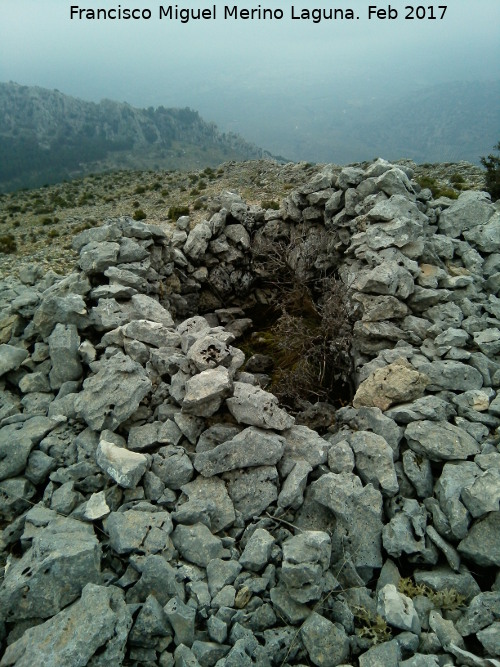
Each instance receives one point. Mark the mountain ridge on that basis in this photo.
(47, 136)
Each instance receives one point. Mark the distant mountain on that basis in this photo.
(46, 136)
(442, 123)
(446, 122)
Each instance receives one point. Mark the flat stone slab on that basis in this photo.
(440, 441)
(123, 466)
(113, 394)
(250, 448)
(252, 405)
(399, 382)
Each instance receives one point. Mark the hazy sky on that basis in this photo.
(218, 67)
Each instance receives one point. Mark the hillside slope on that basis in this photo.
(46, 137)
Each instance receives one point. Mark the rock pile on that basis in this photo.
(158, 505)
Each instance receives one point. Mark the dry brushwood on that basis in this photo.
(311, 339)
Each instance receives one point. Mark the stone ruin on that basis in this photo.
(159, 507)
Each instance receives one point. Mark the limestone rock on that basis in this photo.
(125, 467)
(111, 395)
(396, 383)
(251, 405)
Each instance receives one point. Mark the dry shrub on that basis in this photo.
(311, 339)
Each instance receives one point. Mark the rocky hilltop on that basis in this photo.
(46, 136)
(161, 507)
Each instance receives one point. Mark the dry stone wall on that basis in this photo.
(159, 506)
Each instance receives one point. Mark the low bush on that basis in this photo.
(8, 244)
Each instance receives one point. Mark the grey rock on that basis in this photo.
(252, 447)
(221, 573)
(15, 497)
(144, 532)
(397, 609)
(96, 507)
(173, 466)
(14, 451)
(257, 551)
(151, 333)
(486, 236)
(197, 241)
(340, 457)
(405, 532)
(326, 643)
(149, 436)
(97, 257)
(209, 352)
(11, 358)
(292, 490)
(254, 406)
(481, 611)
(440, 441)
(158, 578)
(431, 408)
(372, 419)
(124, 467)
(113, 394)
(451, 375)
(306, 558)
(445, 630)
(387, 278)
(483, 495)
(65, 498)
(294, 612)
(471, 209)
(207, 497)
(151, 622)
(482, 543)
(302, 443)
(100, 622)
(448, 489)
(197, 544)
(374, 461)
(449, 552)
(190, 426)
(64, 342)
(419, 472)
(63, 558)
(488, 341)
(395, 182)
(206, 391)
(358, 511)
(387, 654)
(54, 309)
(490, 639)
(181, 617)
(208, 653)
(442, 577)
(149, 309)
(252, 490)
(32, 382)
(38, 467)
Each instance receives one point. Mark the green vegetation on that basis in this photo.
(8, 244)
(370, 626)
(447, 598)
(435, 188)
(139, 214)
(270, 203)
(175, 212)
(492, 165)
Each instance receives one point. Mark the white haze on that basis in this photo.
(251, 77)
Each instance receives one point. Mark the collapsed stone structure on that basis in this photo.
(158, 505)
